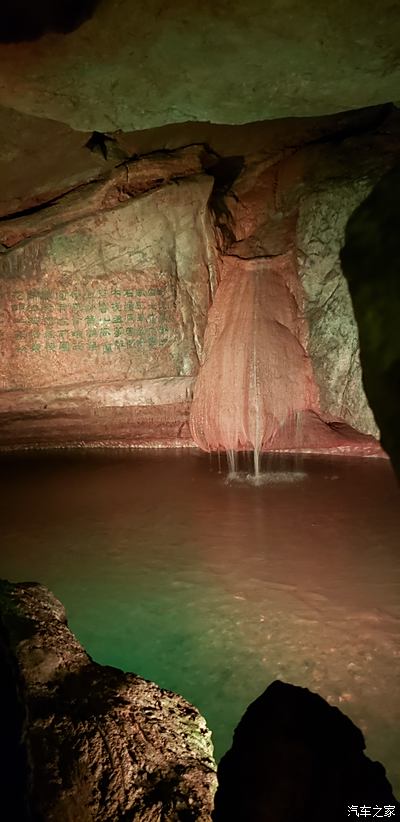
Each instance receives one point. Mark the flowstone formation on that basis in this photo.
(85, 742)
(256, 377)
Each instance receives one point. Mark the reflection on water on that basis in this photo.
(215, 589)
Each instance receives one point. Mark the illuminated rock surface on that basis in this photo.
(139, 65)
(102, 296)
(118, 296)
(256, 374)
(96, 743)
(110, 262)
(113, 240)
(333, 335)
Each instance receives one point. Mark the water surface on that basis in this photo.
(215, 589)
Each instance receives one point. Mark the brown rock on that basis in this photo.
(40, 160)
(73, 424)
(260, 224)
(133, 178)
(96, 744)
(256, 373)
(122, 294)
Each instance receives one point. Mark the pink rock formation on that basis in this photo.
(256, 374)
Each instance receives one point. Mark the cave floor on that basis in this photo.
(214, 589)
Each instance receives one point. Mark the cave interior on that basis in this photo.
(200, 354)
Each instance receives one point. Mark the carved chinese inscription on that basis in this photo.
(105, 319)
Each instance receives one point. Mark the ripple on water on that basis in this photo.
(267, 478)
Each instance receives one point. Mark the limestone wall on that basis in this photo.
(118, 298)
(333, 335)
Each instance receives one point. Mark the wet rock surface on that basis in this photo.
(294, 758)
(256, 373)
(333, 335)
(87, 742)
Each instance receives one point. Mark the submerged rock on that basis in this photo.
(295, 758)
(84, 741)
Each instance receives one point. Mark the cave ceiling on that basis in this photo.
(138, 71)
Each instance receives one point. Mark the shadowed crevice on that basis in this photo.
(24, 20)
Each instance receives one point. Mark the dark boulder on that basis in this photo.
(371, 263)
(295, 758)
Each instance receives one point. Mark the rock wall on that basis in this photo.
(117, 299)
(333, 335)
(297, 200)
(144, 64)
(300, 198)
(105, 289)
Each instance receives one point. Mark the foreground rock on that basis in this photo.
(87, 742)
(294, 758)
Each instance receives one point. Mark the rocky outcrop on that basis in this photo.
(297, 199)
(371, 264)
(332, 179)
(122, 293)
(333, 335)
(130, 179)
(86, 742)
(41, 159)
(294, 758)
(143, 64)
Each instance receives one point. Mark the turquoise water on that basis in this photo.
(214, 589)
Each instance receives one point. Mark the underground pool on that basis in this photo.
(214, 588)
